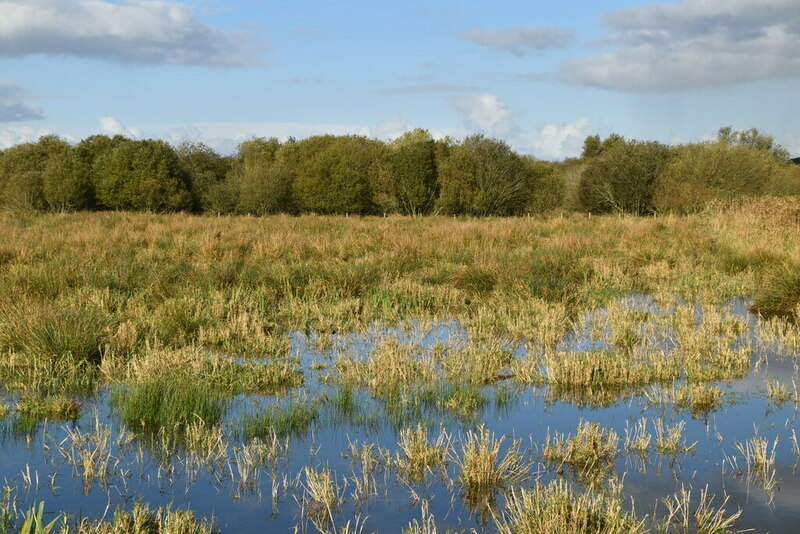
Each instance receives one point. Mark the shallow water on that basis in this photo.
(34, 466)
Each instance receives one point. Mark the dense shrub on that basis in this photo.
(701, 173)
(46, 175)
(205, 170)
(141, 175)
(407, 179)
(622, 177)
(334, 174)
(483, 176)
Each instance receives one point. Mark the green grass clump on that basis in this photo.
(75, 333)
(142, 520)
(167, 403)
(699, 399)
(591, 450)
(292, 418)
(59, 408)
(779, 295)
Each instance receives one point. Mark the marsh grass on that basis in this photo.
(167, 404)
(699, 399)
(591, 451)
(322, 496)
(31, 409)
(417, 455)
(780, 293)
(704, 518)
(487, 466)
(556, 508)
(670, 440)
(142, 520)
(293, 418)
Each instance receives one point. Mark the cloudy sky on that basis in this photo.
(541, 75)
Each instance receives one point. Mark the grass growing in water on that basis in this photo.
(167, 403)
(556, 508)
(282, 419)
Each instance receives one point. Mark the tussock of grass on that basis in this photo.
(699, 399)
(282, 419)
(167, 403)
(779, 295)
(556, 508)
(417, 454)
(591, 451)
(59, 408)
(142, 520)
(486, 467)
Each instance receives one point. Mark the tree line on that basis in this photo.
(413, 175)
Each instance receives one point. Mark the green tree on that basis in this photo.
(46, 175)
(205, 170)
(334, 174)
(700, 173)
(754, 139)
(482, 176)
(408, 181)
(622, 178)
(141, 175)
(546, 186)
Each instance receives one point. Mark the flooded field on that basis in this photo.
(651, 414)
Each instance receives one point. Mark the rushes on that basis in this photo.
(417, 455)
(704, 519)
(670, 440)
(699, 399)
(168, 403)
(485, 468)
(591, 450)
(558, 509)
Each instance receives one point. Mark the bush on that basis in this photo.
(701, 173)
(333, 174)
(141, 175)
(483, 177)
(622, 177)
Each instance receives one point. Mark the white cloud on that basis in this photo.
(111, 126)
(12, 109)
(485, 113)
(143, 31)
(520, 40)
(15, 135)
(693, 44)
(561, 140)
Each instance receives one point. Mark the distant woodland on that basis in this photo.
(411, 175)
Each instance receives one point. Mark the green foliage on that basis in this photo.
(334, 174)
(483, 177)
(547, 186)
(700, 173)
(754, 139)
(44, 175)
(780, 293)
(622, 177)
(168, 403)
(141, 175)
(593, 146)
(205, 170)
(408, 181)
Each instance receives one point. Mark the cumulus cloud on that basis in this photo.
(485, 113)
(693, 44)
(561, 140)
(111, 126)
(520, 40)
(14, 135)
(12, 109)
(141, 31)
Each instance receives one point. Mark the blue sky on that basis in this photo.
(540, 75)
